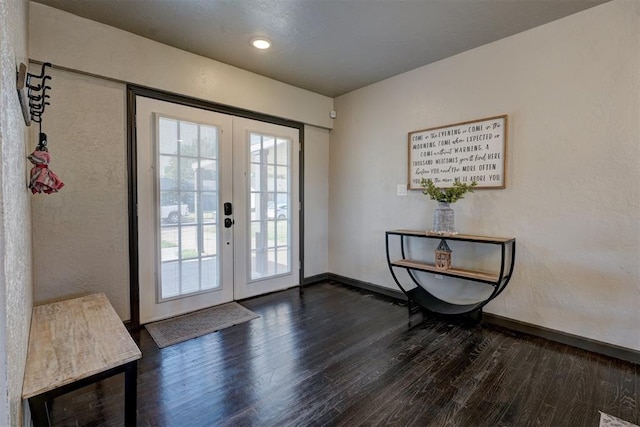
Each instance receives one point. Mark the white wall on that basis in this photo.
(81, 233)
(316, 201)
(80, 44)
(85, 225)
(571, 90)
(15, 222)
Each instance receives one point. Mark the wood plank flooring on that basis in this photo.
(337, 356)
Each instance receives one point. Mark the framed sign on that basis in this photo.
(465, 152)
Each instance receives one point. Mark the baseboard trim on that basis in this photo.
(583, 343)
(588, 344)
(312, 280)
(391, 293)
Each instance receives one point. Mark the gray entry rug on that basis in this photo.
(607, 420)
(192, 325)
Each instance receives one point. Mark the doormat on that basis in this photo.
(607, 420)
(192, 325)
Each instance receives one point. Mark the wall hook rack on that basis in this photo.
(33, 87)
(32, 93)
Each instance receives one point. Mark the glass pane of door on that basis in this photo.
(187, 179)
(270, 192)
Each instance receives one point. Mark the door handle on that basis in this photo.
(228, 222)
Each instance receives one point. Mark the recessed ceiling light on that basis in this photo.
(261, 43)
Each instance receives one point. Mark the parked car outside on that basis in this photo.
(172, 213)
(280, 212)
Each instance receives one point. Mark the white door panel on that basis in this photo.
(190, 162)
(266, 196)
(184, 170)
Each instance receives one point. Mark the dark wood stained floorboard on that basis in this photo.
(338, 356)
(393, 384)
(577, 400)
(545, 359)
(492, 381)
(437, 392)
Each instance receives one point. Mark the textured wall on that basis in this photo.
(15, 223)
(573, 198)
(85, 227)
(80, 234)
(80, 44)
(316, 200)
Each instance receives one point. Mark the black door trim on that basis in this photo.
(132, 92)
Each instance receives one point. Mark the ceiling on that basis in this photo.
(329, 47)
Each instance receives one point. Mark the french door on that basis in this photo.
(217, 205)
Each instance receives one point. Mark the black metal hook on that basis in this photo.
(39, 87)
(39, 97)
(37, 110)
(38, 100)
(41, 75)
(33, 90)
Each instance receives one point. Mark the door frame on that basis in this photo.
(136, 90)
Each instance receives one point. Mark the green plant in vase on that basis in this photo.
(446, 195)
(443, 216)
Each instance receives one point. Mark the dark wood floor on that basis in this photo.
(341, 357)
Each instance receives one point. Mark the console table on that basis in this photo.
(72, 344)
(422, 298)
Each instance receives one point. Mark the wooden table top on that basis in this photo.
(74, 339)
(467, 237)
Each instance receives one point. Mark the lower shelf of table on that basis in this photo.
(476, 275)
(431, 303)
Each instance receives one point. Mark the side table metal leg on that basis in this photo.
(130, 393)
(476, 316)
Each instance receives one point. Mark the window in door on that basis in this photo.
(270, 190)
(187, 190)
